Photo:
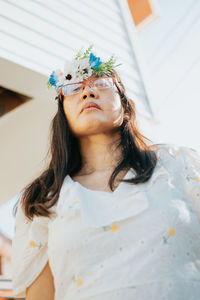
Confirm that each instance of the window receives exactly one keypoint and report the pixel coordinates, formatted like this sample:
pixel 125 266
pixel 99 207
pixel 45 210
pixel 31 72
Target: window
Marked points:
pixel 9 100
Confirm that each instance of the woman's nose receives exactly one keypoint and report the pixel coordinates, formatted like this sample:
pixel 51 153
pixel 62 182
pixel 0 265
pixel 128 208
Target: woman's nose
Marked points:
pixel 87 93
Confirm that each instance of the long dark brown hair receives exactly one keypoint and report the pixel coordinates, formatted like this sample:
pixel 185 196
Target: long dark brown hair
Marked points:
pixel 65 158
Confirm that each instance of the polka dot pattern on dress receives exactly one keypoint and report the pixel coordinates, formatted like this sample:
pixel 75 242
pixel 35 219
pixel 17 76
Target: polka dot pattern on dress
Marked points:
pixel 115 228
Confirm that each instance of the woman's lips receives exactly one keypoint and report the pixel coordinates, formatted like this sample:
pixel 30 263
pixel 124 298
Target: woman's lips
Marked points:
pixel 91 108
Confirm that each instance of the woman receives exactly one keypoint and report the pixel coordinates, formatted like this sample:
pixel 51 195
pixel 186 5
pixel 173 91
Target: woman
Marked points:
pixel 112 217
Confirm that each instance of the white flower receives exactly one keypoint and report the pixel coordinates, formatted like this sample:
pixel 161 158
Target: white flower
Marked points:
pixel 78 70
pixel 82 68
pixel 59 77
pixel 69 73
pixel 58 73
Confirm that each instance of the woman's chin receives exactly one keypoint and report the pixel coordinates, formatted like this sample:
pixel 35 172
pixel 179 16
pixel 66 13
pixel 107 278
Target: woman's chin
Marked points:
pixel 91 126
pixel 92 115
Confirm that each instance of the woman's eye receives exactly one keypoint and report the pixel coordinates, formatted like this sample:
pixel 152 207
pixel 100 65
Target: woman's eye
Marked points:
pixel 100 84
pixel 77 89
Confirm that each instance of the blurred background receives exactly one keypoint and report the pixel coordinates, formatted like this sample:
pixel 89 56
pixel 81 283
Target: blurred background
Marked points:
pixel 158 44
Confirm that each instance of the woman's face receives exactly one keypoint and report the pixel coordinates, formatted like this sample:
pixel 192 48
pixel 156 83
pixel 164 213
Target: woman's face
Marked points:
pixel 107 118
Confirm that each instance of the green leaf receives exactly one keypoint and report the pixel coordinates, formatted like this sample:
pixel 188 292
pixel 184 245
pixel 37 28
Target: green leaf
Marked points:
pixel 87 52
pixel 48 84
pixel 79 54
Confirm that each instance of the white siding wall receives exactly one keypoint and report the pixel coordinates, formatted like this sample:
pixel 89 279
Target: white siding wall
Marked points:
pixel 41 35
pixel 171 47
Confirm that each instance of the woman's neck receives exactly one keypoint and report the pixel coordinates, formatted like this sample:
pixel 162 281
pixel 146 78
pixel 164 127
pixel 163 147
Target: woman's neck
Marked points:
pixel 100 153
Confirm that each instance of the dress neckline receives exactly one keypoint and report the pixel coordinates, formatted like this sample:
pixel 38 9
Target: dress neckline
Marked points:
pixel 129 174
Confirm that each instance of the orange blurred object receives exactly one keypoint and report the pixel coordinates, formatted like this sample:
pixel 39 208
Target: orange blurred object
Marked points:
pixel 140 10
pixel 6 293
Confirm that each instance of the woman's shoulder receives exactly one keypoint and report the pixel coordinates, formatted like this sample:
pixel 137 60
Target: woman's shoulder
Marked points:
pixel 168 149
pixel 172 150
pixel 29 249
pixel 175 158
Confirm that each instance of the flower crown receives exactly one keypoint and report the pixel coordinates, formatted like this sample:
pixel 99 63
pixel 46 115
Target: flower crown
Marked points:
pixel 82 66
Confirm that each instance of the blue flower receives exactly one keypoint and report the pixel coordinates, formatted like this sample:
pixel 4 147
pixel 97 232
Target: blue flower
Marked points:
pixel 94 61
pixel 53 79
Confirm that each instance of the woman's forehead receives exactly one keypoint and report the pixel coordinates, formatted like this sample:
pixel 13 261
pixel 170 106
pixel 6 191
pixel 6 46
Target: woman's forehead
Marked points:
pixel 92 77
pixel 95 76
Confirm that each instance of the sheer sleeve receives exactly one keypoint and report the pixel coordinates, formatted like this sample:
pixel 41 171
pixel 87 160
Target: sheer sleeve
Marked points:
pixel 190 173
pixel 29 250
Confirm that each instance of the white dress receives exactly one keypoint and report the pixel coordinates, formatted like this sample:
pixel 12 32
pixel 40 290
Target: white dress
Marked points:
pixel 139 242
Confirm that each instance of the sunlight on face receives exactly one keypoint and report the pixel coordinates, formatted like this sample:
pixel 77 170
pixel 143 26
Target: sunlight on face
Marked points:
pixel 93 121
